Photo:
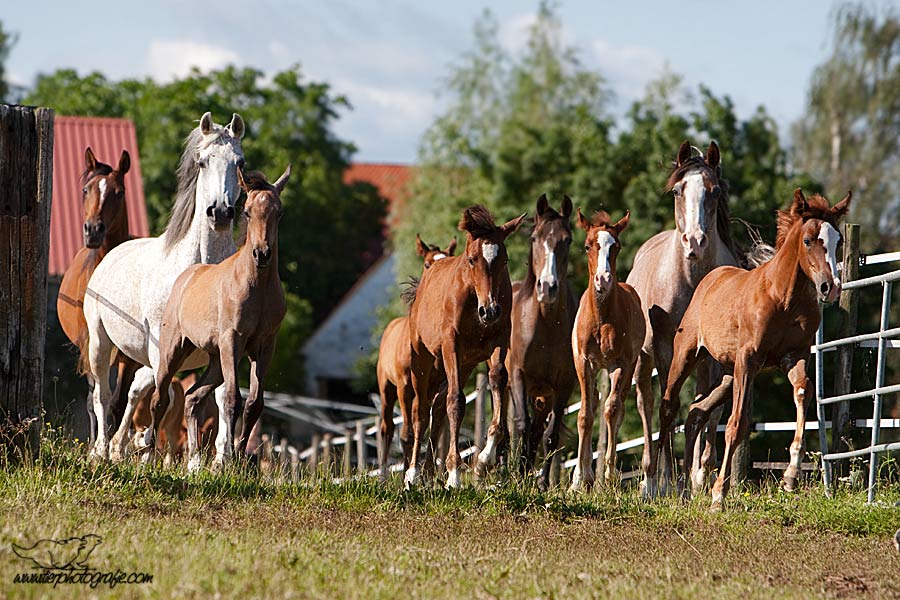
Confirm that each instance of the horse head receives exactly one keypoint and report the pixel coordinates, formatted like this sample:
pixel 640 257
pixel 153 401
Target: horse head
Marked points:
pixel 104 196
pixel 550 240
pixel 485 270
pixel 698 187
pixel 218 156
pixel 263 211
pixel 819 240
pixel 432 254
pixel 602 247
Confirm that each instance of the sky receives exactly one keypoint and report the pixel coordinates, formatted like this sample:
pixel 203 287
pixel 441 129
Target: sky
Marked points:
pixel 391 57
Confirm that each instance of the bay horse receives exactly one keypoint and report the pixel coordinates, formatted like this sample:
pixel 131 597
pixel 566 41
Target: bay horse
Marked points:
pixel 393 372
pixel 227 310
pixel 749 321
pixel 667 268
pixel 540 345
pixel 105 226
pixel 460 318
pixel 127 293
pixel 608 334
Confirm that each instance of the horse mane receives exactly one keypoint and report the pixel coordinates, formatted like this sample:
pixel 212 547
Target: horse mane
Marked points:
pixel 102 169
pixel 255 181
pixel 817 207
pixel 409 294
pixel 723 213
pixel 188 170
pixel 601 218
pixel 478 221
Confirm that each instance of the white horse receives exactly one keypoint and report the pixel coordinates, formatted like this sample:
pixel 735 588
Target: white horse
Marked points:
pixel 127 293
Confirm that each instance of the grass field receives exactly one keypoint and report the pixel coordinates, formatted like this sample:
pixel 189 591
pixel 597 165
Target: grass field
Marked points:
pixel 239 535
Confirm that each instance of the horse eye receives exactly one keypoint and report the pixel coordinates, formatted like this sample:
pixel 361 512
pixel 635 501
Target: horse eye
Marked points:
pixel 807 242
pixel 246 213
pixel 84 191
pixel 471 262
pixel 587 248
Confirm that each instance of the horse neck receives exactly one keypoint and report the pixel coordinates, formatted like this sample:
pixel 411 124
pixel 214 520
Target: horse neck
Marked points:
pixel 118 231
pixel 786 278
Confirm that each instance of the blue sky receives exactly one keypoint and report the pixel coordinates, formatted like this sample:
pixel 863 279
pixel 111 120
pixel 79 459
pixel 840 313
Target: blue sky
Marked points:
pixel 389 57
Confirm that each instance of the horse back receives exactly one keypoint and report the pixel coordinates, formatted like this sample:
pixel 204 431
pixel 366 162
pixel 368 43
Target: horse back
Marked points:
pixel 394 356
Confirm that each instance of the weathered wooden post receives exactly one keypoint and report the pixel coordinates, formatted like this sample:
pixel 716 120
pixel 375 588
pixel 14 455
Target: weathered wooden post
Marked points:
pixel 26 178
pixel 313 464
pixel 283 459
pixel 848 308
pixel 361 458
pixel 346 462
pixel 295 464
pixel 378 441
pixel 327 451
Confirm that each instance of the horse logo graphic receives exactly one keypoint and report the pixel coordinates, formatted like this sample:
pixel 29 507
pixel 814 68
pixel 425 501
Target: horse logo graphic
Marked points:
pixel 68 554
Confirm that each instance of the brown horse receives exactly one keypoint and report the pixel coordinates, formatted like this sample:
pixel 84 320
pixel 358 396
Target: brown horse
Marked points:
pixel 608 333
pixel 541 342
pixel 105 227
pixel 393 371
pixel 226 310
pixel 460 318
pixel 748 321
pixel 667 268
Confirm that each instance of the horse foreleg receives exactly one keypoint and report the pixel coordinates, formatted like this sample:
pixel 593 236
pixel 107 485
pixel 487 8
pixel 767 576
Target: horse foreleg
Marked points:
pixel 498 378
pixel 583 475
pixel 614 412
pixel 227 399
pixel 194 408
pixel 456 408
pixel 259 366
pixel 92 418
pixel 645 405
pixel 389 394
pixel 745 369
pixel 99 352
pixel 801 383
pixel 521 429
pixel 705 411
pixel 126 370
pixel 422 364
pixel 438 427
pixel 140 386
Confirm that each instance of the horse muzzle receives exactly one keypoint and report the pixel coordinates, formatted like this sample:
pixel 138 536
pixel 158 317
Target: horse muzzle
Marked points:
pixel 262 256
pixel 488 314
pixel 693 244
pixel 94 234
pixel 829 290
pixel 221 217
pixel 547 291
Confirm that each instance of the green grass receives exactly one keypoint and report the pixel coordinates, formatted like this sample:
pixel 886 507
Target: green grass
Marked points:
pixel 238 534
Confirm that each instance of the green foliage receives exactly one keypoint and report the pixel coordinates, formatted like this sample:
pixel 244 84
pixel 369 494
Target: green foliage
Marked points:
pixel 7 41
pixel 849 136
pixel 327 226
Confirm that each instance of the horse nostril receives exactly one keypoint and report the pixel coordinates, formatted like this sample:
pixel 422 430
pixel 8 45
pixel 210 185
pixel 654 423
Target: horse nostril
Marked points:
pixel 101 228
pixel 86 227
pixel 210 211
pixel 825 288
pixel 229 212
pixel 701 240
pixel 482 312
pixel 553 287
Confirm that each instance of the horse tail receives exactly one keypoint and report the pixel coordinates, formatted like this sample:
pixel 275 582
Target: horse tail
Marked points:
pixel 760 252
pixel 84 366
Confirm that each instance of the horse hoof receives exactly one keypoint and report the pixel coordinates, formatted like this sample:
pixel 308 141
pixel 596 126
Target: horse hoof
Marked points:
pixel 789 483
pixel 194 464
pixel 481 468
pixel 453 479
pixel 218 465
pixel 717 502
pixel 411 478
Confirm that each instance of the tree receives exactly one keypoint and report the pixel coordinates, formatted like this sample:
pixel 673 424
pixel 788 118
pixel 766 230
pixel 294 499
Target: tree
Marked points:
pixel 327 226
pixel 849 136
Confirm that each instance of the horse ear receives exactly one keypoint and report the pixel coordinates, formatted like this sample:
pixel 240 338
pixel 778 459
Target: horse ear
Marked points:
pixel 90 161
pixel 206 123
pixel 799 205
pixel 452 247
pixel 566 207
pixel 124 162
pixel 622 223
pixel 236 126
pixel 713 157
pixel 583 222
pixel 542 205
pixel 512 225
pixel 421 247
pixel 841 208
pixel 684 153
pixel 282 181
pixel 241 182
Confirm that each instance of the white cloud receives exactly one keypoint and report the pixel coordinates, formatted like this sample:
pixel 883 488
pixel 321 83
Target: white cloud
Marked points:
pixel 627 68
pixel 168 59
pixel 513 34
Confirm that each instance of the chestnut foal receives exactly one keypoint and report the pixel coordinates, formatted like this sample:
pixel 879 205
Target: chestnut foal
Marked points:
pixel 461 317
pixel 748 321
pixel 226 310
pixel 608 333
pixel 540 347
pixel 394 356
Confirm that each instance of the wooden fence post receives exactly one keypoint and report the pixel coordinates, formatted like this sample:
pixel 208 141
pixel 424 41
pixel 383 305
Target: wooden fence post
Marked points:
pixel 313 464
pixel 346 463
pixel 327 448
pixel 361 458
pixel 26 182
pixel 848 308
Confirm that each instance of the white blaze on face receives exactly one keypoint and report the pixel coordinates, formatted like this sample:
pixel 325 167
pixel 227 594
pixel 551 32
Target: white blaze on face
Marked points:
pixel 603 276
pixel 102 185
pixel 548 273
pixel 693 194
pixel 830 238
pixel 438 257
pixel 490 251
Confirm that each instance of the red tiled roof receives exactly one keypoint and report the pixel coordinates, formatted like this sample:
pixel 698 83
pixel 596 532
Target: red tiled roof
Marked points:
pixel 390 179
pixel 107 138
